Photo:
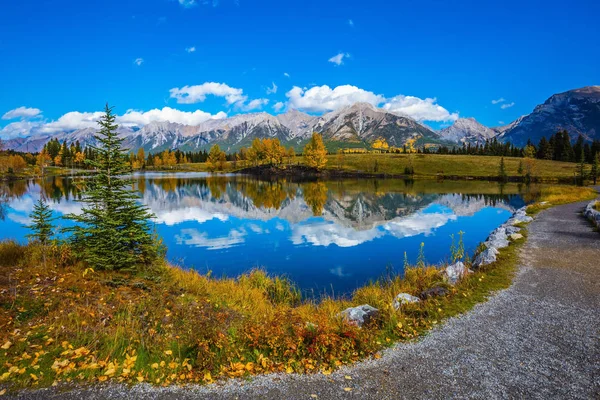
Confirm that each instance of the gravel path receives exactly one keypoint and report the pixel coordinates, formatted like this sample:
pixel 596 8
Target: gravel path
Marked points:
pixel 539 339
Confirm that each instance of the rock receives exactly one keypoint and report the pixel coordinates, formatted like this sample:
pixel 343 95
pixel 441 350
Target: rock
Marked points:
pixel 485 257
pixel 404 298
pixel 592 214
pixel 360 315
pixel 516 236
pixel 455 272
pixel 434 291
pixel 512 229
pixel 497 239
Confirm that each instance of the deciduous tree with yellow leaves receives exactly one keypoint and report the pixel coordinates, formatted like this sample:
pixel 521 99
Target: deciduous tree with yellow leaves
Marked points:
pixel 315 154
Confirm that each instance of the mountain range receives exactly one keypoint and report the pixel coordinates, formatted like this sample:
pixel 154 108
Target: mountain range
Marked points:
pixel 357 125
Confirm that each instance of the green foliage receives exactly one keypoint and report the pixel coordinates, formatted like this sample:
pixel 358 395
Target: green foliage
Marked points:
pixel 457 250
pixel 41 216
pixel 421 258
pixel 502 171
pixel 113 230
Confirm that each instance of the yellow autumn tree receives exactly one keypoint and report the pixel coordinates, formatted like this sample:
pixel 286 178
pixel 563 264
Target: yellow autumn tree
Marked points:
pixel 315 154
pixel 380 144
pixel 216 158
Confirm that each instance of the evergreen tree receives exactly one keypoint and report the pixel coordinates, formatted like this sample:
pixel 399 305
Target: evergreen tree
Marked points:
pixel 595 168
pixel 581 168
pixel 113 231
pixel 502 171
pixel 41 218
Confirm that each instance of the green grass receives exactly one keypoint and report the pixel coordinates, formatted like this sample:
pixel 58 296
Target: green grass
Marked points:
pixel 433 165
pixel 425 166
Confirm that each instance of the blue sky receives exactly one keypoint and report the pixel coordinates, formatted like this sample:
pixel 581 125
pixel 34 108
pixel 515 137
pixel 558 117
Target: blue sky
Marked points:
pixel 433 60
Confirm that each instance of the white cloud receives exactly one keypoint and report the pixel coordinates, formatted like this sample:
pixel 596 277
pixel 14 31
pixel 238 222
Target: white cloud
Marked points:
pixel 507 105
pixel 71 121
pixel 233 96
pixel 138 61
pixel 79 120
pixel 351 23
pixel 255 104
pixel 22 112
pixel 272 89
pixel 177 216
pixel 500 100
pixel 327 233
pixel 501 122
pixel 323 98
pixel 286 74
pixel 278 106
pixel 190 49
pixel 419 109
pixel 139 118
pixel 187 3
pixel 338 59
pixel 198 93
pixel 192 237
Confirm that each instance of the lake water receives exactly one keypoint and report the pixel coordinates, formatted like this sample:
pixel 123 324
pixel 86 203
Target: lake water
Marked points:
pixel 328 237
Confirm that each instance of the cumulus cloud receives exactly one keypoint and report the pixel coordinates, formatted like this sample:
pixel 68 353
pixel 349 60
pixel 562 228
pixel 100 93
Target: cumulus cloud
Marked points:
pixel 197 93
pixel 272 89
pixel 140 118
pixel 278 106
pixel 138 61
pixel 233 96
pixel 79 120
pixel 192 237
pixel 338 59
pixel 22 112
pixel 286 74
pixel 507 105
pixel 190 49
pixel 419 109
pixel 323 99
pixel 497 101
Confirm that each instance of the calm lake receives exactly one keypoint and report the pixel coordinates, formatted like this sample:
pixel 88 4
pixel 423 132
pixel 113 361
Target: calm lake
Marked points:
pixel 328 237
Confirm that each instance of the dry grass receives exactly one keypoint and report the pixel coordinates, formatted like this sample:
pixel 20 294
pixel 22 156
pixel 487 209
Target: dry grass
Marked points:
pixel 549 196
pixel 62 322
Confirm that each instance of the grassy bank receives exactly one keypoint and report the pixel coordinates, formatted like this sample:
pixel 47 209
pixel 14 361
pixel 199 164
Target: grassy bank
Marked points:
pixel 425 166
pixel 62 322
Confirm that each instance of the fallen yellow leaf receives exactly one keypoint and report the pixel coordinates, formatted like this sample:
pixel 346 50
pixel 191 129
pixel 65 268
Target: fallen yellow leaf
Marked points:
pixel 6 345
pixel 168 352
pixel 155 366
pixel 2 392
pixel 140 379
pixel 348 377
pixel 347 389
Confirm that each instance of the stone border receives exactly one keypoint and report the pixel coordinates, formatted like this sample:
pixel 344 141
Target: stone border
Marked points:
pixel 592 214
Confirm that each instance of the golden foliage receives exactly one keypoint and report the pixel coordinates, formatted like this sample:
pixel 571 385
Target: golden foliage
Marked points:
pixel 315 154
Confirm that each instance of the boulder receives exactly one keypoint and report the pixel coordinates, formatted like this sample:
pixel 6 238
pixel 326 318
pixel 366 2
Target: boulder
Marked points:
pixel 404 298
pixel 455 272
pixel 497 239
pixel 360 315
pixel 486 257
pixel 434 292
pixel 592 214
pixel 512 229
pixel 516 236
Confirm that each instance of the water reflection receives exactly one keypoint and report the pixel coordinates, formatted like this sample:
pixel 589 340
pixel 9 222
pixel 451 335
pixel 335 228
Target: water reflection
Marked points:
pixel 333 234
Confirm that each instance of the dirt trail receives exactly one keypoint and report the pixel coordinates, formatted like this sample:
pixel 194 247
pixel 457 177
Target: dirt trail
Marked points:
pixel 538 339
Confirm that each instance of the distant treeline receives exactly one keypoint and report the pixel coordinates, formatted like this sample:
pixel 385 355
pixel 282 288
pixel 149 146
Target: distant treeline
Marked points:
pixel 557 148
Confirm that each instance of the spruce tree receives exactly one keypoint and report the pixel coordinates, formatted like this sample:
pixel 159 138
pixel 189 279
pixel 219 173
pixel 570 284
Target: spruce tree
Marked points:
pixel 595 168
pixel 113 230
pixel 502 171
pixel 41 218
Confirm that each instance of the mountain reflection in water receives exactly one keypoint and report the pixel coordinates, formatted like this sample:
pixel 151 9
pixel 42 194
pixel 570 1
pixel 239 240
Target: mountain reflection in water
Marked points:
pixel 329 236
